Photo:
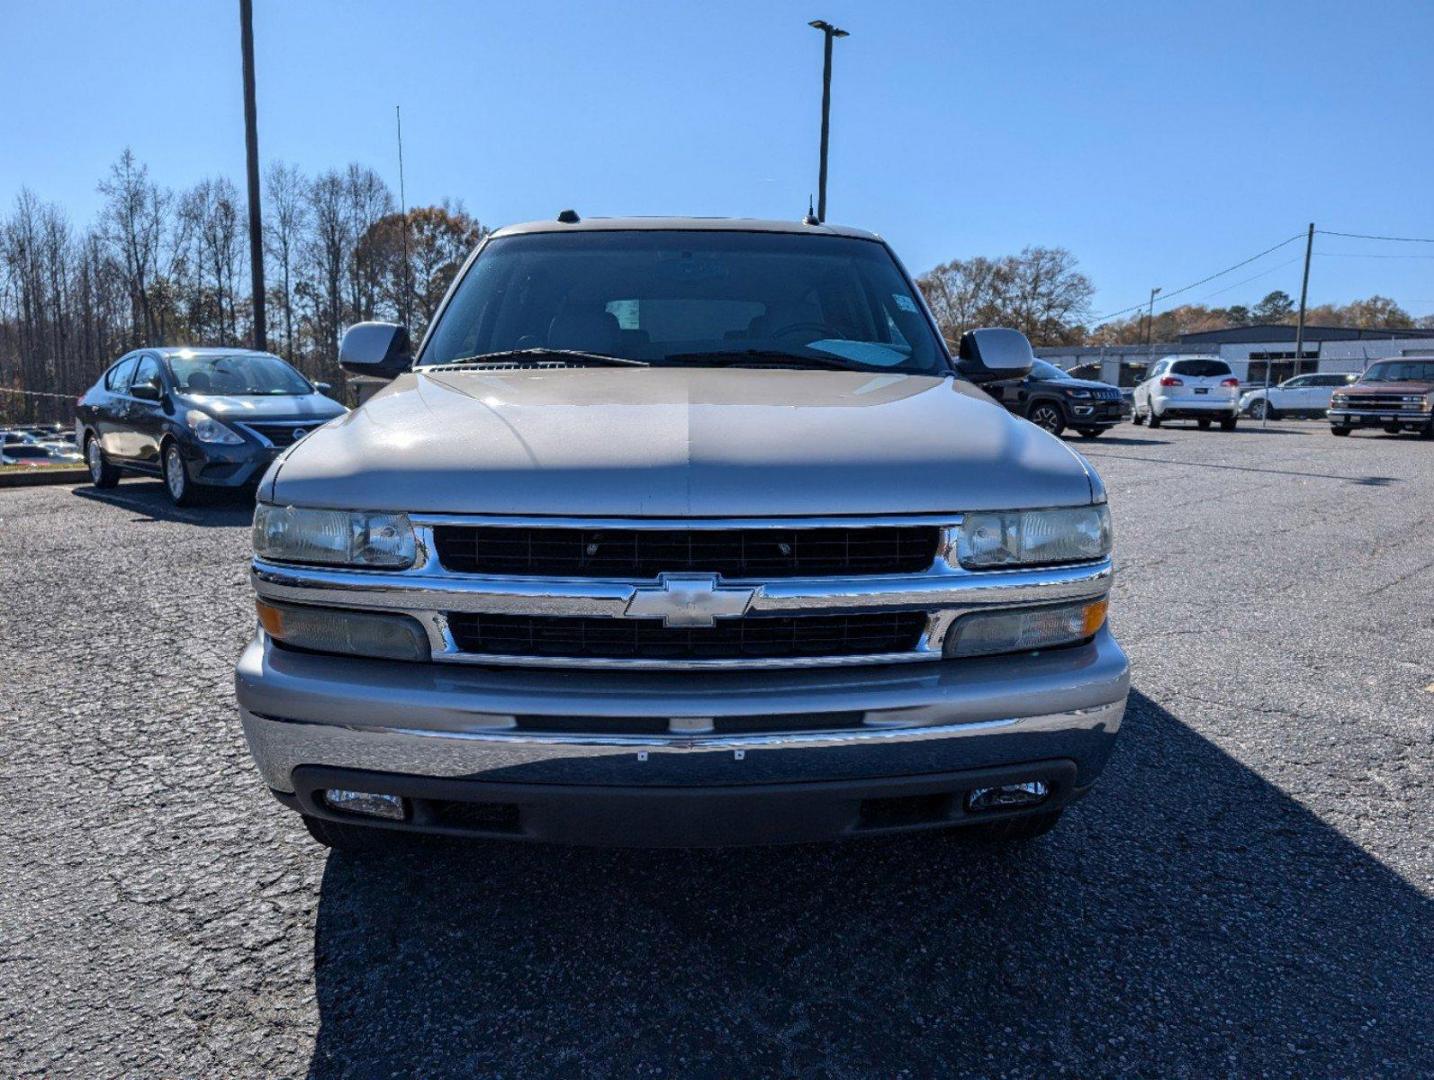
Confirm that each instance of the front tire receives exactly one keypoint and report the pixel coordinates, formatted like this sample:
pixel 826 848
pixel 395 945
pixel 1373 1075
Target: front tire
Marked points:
pixel 102 473
pixel 1340 431
pixel 1136 417
pixel 181 489
pixel 1154 420
pixel 1261 410
pixel 1090 432
pixel 1047 416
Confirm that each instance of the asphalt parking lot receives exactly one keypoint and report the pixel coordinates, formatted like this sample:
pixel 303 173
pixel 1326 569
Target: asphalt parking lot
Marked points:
pixel 1248 891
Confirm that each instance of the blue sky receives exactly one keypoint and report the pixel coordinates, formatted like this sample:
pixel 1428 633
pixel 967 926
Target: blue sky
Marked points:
pixel 1158 142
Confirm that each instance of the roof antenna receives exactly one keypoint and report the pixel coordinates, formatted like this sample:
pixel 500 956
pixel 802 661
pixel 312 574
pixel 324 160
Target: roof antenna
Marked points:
pixel 811 218
pixel 569 217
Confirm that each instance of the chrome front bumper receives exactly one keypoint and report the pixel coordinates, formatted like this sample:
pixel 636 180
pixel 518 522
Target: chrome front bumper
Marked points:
pixel 482 724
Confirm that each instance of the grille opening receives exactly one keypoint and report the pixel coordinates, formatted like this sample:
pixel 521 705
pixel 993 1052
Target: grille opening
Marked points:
pixel 645 553
pixel 905 810
pixel 758 637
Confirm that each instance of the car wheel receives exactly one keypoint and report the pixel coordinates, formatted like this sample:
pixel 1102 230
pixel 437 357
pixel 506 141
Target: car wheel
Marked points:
pixel 1154 420
pixel 1228 424
pixel 102 473
pixel 354 839
pixel 1427 431
pixel 176 478
pixel 1258 409
pixel 1392 429
pixel 1136 417
pixel 1339 431
pixel 1090 432
pixel 1203 423
pixel 1048 417
pixel 1014 830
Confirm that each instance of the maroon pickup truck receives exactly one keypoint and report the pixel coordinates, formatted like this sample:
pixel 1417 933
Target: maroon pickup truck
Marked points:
pixel 1395 395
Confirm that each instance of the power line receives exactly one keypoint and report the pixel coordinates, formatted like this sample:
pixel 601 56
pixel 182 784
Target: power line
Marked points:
pixel 1196 284
pixel 1367 236
pixel 1254 277
pixel 1366 255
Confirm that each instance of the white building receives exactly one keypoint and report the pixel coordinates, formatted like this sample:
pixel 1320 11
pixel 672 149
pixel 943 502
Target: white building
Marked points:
pixel 1254 353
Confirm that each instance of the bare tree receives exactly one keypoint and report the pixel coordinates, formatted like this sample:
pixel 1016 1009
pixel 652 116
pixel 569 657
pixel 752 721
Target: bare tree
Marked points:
pixel 285 221
pixel 1039 292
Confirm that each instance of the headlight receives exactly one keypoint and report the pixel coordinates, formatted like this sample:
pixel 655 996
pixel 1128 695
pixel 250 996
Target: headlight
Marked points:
pixel 209 430
pixel 1078 393
pixel 987 633
pixel 1034 537
pixel 340 537
pixel 1338 399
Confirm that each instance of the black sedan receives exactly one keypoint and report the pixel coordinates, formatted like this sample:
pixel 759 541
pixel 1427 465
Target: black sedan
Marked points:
pixel 1051 399
pixel 196 418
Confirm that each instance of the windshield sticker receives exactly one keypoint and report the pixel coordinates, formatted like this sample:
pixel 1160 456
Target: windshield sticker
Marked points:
pixel 904 302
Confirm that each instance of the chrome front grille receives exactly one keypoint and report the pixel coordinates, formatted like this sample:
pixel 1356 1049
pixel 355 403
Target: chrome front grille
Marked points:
pixel 675 594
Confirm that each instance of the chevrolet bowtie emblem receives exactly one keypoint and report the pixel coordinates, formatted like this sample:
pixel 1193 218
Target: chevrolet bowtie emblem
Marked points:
pixel 690 600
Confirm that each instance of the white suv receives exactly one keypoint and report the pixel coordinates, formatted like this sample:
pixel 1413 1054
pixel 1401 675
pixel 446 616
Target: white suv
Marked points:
pixel 1199 388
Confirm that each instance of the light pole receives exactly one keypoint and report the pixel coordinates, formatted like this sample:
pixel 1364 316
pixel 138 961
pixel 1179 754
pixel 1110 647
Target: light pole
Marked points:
pixel 251 161
pixel 1150 320
pixel 828 31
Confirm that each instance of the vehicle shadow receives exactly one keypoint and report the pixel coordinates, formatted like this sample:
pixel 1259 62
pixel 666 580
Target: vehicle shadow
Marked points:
pixel 1187 918
pixel 1117 440
pixel 1363 481
pixel 149 499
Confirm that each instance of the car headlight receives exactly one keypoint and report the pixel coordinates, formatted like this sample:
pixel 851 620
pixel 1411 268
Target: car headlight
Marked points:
pixel 1078 393
pixel 209 430
pixel 338 537
pixel 1339 399
pixel 1034 537
pixel 989 632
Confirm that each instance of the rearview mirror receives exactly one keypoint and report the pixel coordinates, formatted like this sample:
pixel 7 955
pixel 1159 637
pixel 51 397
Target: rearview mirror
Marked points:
pixel 376 349
pixel 994 354
pixel 323 387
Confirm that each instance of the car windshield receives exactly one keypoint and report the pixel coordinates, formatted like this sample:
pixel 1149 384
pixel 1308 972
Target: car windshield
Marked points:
pixel 240 375
pixel 1401 371
pixel 1200 369
pixel 692 297
pixel 26 452
pixel 1044 372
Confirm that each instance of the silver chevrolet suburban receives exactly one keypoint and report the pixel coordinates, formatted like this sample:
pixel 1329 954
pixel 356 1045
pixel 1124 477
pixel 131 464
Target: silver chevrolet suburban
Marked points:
pixel 680 532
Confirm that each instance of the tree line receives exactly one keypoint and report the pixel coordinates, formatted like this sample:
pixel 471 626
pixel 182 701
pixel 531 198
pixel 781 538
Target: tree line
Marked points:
pixel 1043 293
pixel 165 267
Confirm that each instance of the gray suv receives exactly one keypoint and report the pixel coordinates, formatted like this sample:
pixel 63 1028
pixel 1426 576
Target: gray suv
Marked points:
pixel 680 532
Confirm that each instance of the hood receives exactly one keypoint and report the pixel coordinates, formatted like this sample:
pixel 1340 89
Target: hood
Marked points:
pixel 666 442
pixel 1410 387
pixel 241 408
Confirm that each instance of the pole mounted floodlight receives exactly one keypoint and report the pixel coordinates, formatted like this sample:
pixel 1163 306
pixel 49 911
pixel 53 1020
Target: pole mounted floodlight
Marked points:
pixel 828 32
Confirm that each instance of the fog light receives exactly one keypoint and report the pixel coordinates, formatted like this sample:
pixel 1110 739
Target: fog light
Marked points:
pixel 369 803
pixel 1008 796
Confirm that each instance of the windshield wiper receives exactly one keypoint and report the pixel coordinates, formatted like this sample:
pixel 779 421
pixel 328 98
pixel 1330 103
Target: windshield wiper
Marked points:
pixel 570 356
pixel 766 358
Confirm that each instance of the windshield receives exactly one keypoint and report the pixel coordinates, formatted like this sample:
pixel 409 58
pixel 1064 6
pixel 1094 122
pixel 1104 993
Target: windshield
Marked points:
pixel 26 452
pixel 690 297
pixel 1401 371
pixel 238 375
pixel 1044 372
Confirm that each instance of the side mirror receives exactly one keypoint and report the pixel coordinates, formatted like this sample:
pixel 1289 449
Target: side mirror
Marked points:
pixel 145 391
pixel 994 355
pixel 379 350
pixel 323 387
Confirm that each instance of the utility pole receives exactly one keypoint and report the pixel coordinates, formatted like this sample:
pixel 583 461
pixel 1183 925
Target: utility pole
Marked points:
pixel 1150 320
pixel 1299 323
pixel 829 32
pixel 403 209
pixel 251 153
